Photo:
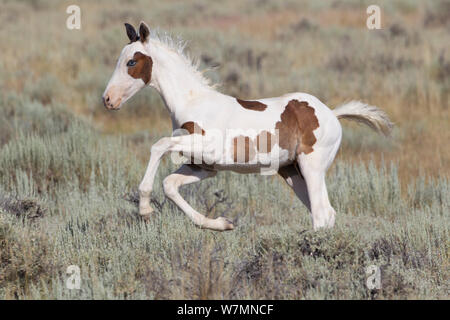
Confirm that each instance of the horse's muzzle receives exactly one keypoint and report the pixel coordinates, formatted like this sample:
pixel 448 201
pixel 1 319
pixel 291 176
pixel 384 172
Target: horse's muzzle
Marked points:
pixel 109 104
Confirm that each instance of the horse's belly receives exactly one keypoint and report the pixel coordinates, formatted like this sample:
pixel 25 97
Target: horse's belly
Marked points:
pixel 261 163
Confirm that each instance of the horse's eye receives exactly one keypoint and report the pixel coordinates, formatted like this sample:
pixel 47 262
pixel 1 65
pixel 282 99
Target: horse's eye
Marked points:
pixel 131 63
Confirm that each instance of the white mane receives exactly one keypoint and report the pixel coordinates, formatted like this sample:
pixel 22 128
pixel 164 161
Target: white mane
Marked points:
pixel 178 45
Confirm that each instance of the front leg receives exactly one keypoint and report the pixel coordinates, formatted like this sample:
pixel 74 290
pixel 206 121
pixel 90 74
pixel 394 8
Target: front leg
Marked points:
pixel 190 174
pixel 158 150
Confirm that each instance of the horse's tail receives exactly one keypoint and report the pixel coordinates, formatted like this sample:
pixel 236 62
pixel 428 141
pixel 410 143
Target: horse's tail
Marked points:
pixel 371 116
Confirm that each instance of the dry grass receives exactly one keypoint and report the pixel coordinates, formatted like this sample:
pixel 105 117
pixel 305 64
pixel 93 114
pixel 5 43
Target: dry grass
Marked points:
pixel 321 49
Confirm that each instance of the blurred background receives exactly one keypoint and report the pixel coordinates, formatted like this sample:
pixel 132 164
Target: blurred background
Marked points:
pixel 69 169
pixel 261 48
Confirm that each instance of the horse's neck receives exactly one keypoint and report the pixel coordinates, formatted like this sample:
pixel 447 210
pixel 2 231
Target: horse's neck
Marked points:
pixel 176 83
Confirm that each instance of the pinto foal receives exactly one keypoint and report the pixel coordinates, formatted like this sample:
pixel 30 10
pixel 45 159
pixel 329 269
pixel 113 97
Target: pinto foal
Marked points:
pixel 294 135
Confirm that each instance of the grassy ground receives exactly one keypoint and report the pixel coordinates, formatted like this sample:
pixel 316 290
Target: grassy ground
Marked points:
pixel 69 170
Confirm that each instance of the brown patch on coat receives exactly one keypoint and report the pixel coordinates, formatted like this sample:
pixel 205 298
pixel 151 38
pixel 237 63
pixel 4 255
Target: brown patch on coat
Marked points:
pixel 265 142
pixel 243 145
pixel 296 127
pixel 192 128
pixel 252 105
pixel 143 67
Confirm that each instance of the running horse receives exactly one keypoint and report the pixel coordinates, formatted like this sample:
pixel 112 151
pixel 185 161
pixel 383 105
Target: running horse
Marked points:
pixel 294 135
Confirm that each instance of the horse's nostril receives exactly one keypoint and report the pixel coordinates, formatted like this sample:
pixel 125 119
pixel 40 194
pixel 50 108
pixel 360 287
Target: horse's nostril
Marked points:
pixel 105 101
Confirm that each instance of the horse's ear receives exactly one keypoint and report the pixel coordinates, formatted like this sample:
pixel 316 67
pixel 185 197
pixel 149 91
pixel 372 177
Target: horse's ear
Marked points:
pixel 131 33
pixel 143 31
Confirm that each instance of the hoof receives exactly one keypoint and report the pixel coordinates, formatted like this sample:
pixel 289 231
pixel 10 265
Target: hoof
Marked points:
pixel 322 227
pixel 145 213
pixel 325 222
pixel 225 223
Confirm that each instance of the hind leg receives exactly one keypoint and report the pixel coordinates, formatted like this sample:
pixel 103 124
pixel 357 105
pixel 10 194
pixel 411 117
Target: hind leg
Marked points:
pixel 188 174
pixel 291 174
pixel 322 214
pixel 313 167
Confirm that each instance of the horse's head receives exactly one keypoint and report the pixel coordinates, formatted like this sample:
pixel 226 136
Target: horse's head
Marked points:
pixel 133 70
